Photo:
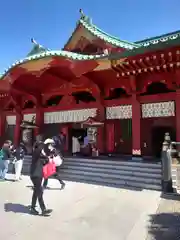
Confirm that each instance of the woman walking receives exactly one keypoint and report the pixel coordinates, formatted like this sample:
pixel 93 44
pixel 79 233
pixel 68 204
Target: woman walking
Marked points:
pixel 39 159
pixel 52 152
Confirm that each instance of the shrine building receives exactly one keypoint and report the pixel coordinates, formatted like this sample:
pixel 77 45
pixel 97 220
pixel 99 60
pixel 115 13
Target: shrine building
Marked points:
pixel 133 88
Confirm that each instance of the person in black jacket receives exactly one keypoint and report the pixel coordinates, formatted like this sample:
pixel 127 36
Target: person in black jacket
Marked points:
pixel 36 175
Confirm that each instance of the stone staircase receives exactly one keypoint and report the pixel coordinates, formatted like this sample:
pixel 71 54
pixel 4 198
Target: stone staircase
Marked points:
pixel 109 172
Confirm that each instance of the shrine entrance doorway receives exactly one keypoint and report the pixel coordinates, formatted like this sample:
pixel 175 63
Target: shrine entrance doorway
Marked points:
pixel 76 131
pixel 50 130
pixel 158 133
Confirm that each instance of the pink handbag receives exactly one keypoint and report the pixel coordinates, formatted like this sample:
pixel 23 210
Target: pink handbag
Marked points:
pixel 49 169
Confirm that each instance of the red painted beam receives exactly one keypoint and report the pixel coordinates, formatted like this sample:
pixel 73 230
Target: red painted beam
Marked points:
pixel 82 67
pixel 4 86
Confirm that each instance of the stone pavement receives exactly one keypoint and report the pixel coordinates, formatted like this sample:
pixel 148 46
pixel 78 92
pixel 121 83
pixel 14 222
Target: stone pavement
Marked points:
pixel 81 212
pixel 166 222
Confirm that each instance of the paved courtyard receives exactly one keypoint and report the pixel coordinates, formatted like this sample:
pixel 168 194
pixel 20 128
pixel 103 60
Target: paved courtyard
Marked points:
pixel 81 212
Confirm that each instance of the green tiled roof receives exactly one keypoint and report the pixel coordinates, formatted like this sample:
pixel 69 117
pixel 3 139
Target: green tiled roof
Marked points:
pixel 47 53
pixel 146 48
pixel 37 49
pixel 159 39
pixel 93 29
pixel 132 49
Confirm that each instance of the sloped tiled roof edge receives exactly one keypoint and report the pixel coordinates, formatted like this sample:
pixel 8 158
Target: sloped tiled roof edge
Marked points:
pixel 93 29
pixel 159 39
pixel 146 48
pixel 59 53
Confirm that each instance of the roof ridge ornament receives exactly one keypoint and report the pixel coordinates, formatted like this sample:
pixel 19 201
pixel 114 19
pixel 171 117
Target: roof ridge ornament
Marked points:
pixel 39 45
pixel 34 41
pixel 82 13
pixel 84 17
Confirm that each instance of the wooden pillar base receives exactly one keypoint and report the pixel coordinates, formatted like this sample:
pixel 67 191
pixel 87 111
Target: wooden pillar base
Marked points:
pixel 136 127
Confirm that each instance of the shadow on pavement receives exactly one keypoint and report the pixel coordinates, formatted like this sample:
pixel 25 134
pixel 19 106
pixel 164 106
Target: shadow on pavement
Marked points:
pixel 112 185
pixel 95 183
pixel 16 208
pixel 170 197
pixel 164 226
pixel 30 186
pixel 48 188
pixel 9 180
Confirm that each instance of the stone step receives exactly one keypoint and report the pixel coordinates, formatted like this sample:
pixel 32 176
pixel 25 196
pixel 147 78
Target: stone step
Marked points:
pixel 146 172
pixel 111 161
pixel 104 172
pixel 115 167
pixel 132 172
pixel 115 162
pixel 112 176
pixel 111 182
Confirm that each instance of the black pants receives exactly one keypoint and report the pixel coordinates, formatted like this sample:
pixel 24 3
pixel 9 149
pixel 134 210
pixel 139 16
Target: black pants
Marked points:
pixel 37 193
pixel 56 176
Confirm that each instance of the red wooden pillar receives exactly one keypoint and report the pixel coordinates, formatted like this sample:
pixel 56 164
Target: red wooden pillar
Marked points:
pixel 100 139
pixel 17 130
pixel 178 115
pixel 100 130
pixel 39 121
pixel 2 127
pixel 65 131
pixel 136 126
pixel 2 124
pixel 110 137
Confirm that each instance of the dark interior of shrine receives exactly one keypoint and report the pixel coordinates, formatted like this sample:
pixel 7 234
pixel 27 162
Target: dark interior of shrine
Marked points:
pixel 158 133
pixel 157 88
pixel 83 96
pixel 117 93
pixel 29 105
pixel 53 101
pixel 77 132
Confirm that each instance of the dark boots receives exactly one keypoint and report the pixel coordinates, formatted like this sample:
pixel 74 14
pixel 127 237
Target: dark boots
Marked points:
pixel 45 212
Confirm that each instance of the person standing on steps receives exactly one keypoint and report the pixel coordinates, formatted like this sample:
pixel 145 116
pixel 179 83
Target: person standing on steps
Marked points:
pixel 39 159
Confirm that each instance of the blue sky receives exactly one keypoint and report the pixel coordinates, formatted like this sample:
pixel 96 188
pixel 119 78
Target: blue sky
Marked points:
pixel 51 22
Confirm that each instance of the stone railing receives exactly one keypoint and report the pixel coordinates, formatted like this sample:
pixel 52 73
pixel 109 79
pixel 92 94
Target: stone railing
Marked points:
pixel 174 156
pixel 175 173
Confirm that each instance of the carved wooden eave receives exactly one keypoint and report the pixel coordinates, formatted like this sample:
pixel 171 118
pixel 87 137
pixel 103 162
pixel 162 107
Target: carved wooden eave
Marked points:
pixel 153 62
pixel 103 64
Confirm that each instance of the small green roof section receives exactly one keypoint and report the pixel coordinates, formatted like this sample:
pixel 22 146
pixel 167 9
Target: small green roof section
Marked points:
pixel 37 48
pixel 159 39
